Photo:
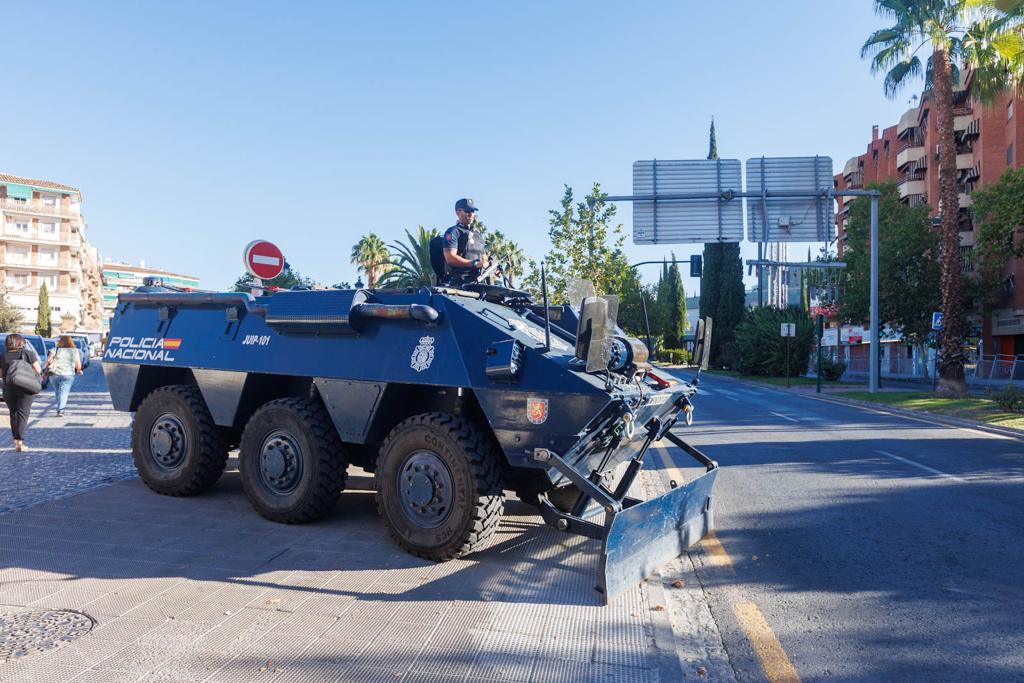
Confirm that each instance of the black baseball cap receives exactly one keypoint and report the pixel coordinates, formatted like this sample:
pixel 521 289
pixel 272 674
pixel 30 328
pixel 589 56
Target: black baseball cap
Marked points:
pixel 466 204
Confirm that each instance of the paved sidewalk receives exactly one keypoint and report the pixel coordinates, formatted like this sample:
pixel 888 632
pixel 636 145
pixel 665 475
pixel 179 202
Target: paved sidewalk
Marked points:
pixel 204 589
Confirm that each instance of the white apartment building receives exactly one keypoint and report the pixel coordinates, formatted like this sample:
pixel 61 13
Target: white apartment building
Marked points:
pixel 42 240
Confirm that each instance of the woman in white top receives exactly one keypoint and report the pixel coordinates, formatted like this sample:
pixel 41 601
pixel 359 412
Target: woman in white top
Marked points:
pixel 64 363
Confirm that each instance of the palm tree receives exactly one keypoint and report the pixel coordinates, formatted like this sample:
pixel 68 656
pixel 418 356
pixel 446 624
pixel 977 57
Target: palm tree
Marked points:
pixel 997 48
pixel 941 26
pixel 410 261
pixel 504 249
pixel 371 255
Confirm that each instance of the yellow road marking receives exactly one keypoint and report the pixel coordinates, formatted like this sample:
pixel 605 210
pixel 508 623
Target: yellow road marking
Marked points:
pixel 776 665
pixel 667 466
pixel 715 551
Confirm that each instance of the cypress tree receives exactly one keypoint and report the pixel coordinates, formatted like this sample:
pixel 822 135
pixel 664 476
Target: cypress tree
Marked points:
pixel 730 305
pixel 675 308
pixel 43 316
pixel 709 283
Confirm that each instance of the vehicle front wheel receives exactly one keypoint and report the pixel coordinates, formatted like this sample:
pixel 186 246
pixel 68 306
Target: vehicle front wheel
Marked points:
pixel 439 487
pixel 178 450
pixel 291 461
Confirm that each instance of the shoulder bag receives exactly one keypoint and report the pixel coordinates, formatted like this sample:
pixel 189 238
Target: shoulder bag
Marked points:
pixel 22 375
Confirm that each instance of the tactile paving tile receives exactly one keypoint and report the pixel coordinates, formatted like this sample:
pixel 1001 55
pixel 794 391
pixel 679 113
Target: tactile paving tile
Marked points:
pixel 442 661
pixel 606 673
pixel 559 671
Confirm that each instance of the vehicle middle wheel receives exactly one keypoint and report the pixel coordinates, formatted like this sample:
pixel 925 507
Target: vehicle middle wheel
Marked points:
pixel 439 486
pixel 291 461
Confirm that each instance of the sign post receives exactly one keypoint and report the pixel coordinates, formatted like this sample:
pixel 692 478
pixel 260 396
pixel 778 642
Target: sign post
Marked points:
pixel 821 331
pixel 264 261
pixel 788 330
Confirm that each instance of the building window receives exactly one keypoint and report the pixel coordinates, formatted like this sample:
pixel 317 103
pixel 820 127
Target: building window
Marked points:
pixel 1009 154
pixel 48 231
pixel 21 228
pixel 51 280
pixel 18 254
pixel 48 256
pixel 17 280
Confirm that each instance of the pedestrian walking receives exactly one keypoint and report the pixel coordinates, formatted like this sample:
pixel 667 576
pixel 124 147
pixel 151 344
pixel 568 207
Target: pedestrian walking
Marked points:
pixel 63 364
pixel 20 370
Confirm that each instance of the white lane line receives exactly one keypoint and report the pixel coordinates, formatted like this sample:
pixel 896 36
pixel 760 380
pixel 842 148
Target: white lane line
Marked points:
pixel 784 417
pixel 923 467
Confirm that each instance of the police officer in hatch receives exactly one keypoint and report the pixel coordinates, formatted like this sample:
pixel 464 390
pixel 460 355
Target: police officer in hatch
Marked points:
pixel 464 248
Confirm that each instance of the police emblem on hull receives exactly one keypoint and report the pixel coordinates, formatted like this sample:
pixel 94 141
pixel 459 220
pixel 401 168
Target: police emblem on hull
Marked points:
pixel 537 410
pixel 423 354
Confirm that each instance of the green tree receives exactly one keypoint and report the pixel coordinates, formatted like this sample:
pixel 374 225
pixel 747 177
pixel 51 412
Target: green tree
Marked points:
pixel 371 256
pixel 10 316
pixel 761 350
pixel 586 245
pixel 505 250
pixel 945 28
pixel 908 267
pixel 43 325
pixel 410 261
pixel 288 278
pixel 674 307
pixel 999 210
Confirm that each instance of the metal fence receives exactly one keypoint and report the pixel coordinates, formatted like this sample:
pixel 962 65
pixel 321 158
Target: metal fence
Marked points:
pixel 998 369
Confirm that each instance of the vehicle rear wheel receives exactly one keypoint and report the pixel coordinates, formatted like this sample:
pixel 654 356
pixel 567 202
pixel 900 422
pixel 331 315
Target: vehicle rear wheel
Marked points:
pixel 439 486
pixel 291 461
pixel 178 450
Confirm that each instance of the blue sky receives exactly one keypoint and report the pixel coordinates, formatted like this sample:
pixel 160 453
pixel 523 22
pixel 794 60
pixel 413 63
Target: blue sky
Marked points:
pixel 194 127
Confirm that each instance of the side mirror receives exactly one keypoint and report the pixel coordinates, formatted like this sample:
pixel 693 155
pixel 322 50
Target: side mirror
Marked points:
pixel 702 343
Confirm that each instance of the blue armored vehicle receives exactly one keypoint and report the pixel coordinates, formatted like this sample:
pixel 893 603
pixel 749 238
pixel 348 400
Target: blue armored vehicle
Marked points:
pixel 449 396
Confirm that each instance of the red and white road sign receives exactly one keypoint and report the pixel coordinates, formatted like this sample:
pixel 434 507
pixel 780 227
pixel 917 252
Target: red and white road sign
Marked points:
pixel 263 259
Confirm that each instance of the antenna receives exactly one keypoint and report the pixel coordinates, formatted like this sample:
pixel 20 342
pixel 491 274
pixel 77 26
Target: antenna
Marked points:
pixel 547 315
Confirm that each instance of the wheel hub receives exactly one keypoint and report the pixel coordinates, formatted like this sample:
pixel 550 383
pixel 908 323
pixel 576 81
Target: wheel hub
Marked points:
pixel 168 442
pixel 280 463
pixel 425 489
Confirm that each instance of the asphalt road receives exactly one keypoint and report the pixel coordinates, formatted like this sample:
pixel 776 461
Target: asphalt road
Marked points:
pixel 877 547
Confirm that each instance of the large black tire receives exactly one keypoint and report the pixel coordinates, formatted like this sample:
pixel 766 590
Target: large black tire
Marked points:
pixel 439 487
pixel 178 450
pixel 291 461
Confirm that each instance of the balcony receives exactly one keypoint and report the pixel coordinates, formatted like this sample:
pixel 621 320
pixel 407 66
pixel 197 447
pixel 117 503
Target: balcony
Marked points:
pixel 966 259
pixel 908 156
pixel 855 180
pixel 911 187
pixel 965 200
pixel 967 239
pixel 10 261
pixel 36 207
pixel 919 167
pixel 35 236
pixel 917 199
pixel 964 161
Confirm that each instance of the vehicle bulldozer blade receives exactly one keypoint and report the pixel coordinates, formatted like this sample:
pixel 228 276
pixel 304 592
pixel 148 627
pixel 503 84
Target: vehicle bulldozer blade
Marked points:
pixel 643 537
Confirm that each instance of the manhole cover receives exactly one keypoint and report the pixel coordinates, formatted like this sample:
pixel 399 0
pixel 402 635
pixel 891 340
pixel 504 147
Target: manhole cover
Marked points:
pixel 24 632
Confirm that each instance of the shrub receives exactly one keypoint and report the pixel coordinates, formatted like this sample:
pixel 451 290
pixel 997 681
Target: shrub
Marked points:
pixel 832 370
pixel 761 350
pixel 680 356
pixel 1011 398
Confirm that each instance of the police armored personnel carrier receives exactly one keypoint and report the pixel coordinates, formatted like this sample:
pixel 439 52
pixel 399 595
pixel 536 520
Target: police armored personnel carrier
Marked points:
pixel 448 396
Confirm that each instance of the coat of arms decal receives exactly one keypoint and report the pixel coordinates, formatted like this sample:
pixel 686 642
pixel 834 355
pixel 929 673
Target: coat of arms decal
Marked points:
pixel 537 410
pixel 423 354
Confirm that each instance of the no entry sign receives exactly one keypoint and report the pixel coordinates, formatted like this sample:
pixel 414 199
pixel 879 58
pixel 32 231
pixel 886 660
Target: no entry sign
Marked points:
pixel 263 259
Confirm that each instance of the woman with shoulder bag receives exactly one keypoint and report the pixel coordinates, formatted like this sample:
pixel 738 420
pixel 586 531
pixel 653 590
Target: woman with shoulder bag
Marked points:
pixel 19 368
pixel 63 364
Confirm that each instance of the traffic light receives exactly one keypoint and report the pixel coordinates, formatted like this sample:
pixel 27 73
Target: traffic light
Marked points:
pixel 696 265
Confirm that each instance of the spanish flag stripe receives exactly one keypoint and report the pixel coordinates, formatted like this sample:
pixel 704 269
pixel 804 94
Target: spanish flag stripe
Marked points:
pixel 172 343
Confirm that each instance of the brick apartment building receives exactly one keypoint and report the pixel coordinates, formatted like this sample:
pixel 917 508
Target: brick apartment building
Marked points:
pixel 42 240
pixel 988 138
